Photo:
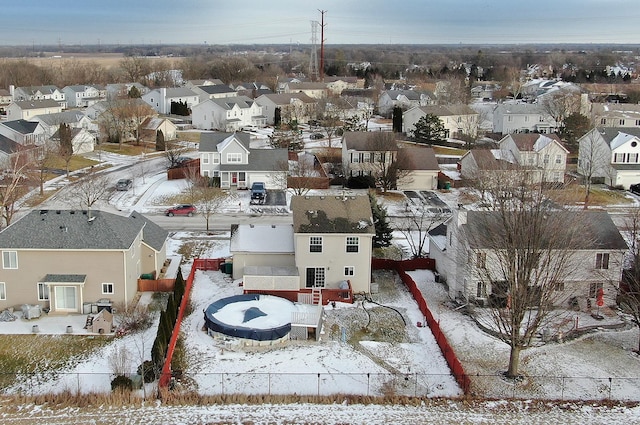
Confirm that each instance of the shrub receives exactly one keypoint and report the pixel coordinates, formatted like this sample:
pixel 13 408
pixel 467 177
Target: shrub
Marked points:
pixel 121 383
pixel 361 182
pixel 148 371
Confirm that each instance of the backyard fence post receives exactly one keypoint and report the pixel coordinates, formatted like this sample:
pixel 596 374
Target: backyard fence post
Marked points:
pixel 318 385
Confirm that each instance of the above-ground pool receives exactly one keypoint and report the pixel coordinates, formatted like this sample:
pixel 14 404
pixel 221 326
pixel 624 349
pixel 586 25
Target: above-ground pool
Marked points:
pixel 251 317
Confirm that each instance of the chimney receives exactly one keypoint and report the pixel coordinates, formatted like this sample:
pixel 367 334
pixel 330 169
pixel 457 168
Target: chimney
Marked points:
pixel 12 90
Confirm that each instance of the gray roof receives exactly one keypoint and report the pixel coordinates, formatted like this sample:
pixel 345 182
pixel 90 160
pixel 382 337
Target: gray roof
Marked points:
pixel 209 141
pixel 31 90
pixel 229 102
pixel 21 126
pixel 8 146
pixel 285 98
pixel 152 234
pixel 609 133
pixel 518 108
pixel 179 92
pixel 260 160
pixel 37 104
pixel 75 229
pixel 65 278
pixel 216 89
pixel 332 214
pixel 60 117
pixel 597 229
pixel 419 158
pixel 363 141
pixel 448 110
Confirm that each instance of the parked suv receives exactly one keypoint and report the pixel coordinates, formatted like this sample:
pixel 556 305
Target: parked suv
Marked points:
pixel 182 209
pixel 258 193
pixel 124 184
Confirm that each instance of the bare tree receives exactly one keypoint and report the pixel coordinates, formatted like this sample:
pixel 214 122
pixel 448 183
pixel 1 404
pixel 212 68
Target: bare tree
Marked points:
pixel 298 176
pixel 629 290
pixel 523 252
pixel 385 163
pixel 12 184
pixel 135 68
pixel 593 161
pixel 210 201
pixel 173 153
pixel 415 227
pixel 560 104
pixel 90 189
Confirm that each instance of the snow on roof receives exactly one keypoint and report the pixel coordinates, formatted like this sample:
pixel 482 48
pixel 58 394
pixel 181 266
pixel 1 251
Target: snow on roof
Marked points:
pixel 275 238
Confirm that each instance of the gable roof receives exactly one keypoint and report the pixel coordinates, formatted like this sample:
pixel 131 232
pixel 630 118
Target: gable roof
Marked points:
pixel 491 159
pixel 449 110
pixel 533 142
pixel 518 108
pixel 360 140
pixel 8 146
pixel 56 118
pixel 37 104
pixel 418 158
pixel 598 231
pixel 32 90
pixel 616 136
pixel 217 89
pixel 74 229
pixel 21 126
pixel 228 103
pixel 152 234
pixel 285 98
pixel 332 214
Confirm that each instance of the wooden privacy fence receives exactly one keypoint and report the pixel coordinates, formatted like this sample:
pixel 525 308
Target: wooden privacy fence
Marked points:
pixel 401 268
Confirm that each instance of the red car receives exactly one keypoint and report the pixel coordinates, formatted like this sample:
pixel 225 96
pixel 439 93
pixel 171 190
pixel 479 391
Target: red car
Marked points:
pixel 182 209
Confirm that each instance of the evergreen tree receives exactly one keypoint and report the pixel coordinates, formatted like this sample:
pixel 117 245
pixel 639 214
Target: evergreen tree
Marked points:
pixel 429 129
pixel 134 93
pixel 160 143
pixel 383 235
pixel 397 119
pixel 575 126
pixel 66 144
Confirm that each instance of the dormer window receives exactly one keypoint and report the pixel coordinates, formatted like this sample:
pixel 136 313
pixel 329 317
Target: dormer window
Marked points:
pixel 234 158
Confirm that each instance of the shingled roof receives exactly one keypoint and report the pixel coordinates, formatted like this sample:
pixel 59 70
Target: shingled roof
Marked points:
pixel 76 229
pixel 332 214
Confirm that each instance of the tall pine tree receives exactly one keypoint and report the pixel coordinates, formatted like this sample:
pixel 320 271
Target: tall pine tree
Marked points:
pixel 383 235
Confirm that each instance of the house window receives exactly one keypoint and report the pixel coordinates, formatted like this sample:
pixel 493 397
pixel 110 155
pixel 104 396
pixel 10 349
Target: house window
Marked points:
pixel 559 286
pixel 526 118
pixel 43 292
pixel 205 173
pixel 558 159
pixel 621 122
pixel 546 159
pixel 216 159
pixel 315 244
pixel 3 291
pixel 481 260
pixel 633 158
pixel 481 290
pixel 9 259
pixel 349 271
pixel 234 157
pixel 556 177
pixel 602 261
pixel 637 122
pixel 315 277
pixel 619 157
pixel 603 121
pixel 594 287
pixel 107 288
pixel 352 243
pixel 205 159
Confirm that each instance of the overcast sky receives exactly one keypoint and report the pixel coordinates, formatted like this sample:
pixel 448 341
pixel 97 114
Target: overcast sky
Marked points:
pixel 28 22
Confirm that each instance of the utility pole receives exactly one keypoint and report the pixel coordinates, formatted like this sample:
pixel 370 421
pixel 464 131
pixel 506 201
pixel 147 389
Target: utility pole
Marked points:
pixel 322 24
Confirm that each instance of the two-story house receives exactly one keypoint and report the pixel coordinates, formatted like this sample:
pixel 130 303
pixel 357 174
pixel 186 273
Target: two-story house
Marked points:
pixel 214 91
pixel 405 99
pixel 74 118
pixel 458 120
pixel 545 153
pixel 62 259
pixel 26 133
pixel 227 156
pixel 81 96
pixel 27 109
pixel 327 250
pixel 619 115
pixel 38 93
pixel 315 90
pixel 5 100
pixel 161 99
pixel 227 114
pixel 287 107
pixel 610 155
pixel 367 153
pixel 460 251
pixel 522 118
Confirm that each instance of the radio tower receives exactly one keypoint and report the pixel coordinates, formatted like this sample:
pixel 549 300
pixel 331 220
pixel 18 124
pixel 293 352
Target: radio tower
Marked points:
pixel 313 62
pixel 322 24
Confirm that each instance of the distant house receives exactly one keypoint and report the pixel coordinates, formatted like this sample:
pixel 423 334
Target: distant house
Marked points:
pixel 336 85
pixel 610 155
pixel 405 99
pixel 190 84
pixel 81 96
pixel 5 100
pixel 64 259
pixel 74 118
pixel 227 156
pixel 619 115
pixel 522 118
pixel 217 91
pixel 27 109
pixel 545 153
pixel 38 93
pixel 327 251
pixel 477 164
pixel 13 154
pixel 161 99
pixel 459 257
pixel 227 114
pixel 287 107
pixel 311 89
pixel 121 90
pixel 458 120
pixel 252 90
pixel 364 154
pixel 422 168
pixel 82 141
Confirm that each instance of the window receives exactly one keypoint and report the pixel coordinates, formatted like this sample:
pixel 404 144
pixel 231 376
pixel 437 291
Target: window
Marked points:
pixel 594 287
pixel 633 158
pixel 315 244
pixel 637 122
pixel 619 157
pixel 559 287
pixel 216 159
pixel 603 121
pixel 234 157
pixel 558 159
pixel 546 159
pixel 9 259
pixel 481 259
pixel 352 243
pixel 349 271
pixel 602 261
pixel 43 292
pixel 107 288
pixel 621 122
pixel 205 158
pixel 481 290
pixel 315 277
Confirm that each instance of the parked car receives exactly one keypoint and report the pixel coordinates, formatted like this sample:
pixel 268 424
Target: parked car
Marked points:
pixel 258 193
pixel 182 209
pixel 316 136
pixel 124 184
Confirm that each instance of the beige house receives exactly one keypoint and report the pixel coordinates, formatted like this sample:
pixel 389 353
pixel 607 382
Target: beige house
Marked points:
pixel 543 152
pixel 458 120
pixel 328 249
pixel 28 109
pixel 64 260
pixel 367 153
pixel 287 107
pixel 311 89
pixel 421 168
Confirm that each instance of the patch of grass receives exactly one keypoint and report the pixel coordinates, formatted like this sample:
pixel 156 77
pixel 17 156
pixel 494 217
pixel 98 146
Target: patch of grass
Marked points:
pixel 188 136
pixel 444 150
pixel 34 354
pixel 126 148
pixel 574 195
